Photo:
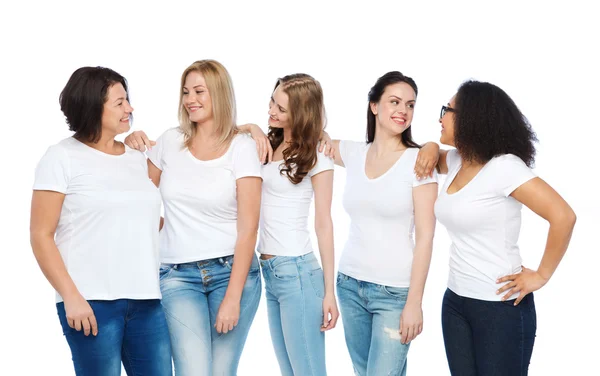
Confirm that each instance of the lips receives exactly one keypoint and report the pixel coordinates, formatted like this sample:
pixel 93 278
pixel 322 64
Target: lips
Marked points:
pixel 399 120
pixel 194 108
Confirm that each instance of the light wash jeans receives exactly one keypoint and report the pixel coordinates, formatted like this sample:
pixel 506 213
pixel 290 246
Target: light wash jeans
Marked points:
pixel 192 293
pixel 371 317
pixel 295 290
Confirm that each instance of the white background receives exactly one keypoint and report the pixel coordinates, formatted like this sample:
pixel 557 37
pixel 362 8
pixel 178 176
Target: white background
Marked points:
pixel 542 54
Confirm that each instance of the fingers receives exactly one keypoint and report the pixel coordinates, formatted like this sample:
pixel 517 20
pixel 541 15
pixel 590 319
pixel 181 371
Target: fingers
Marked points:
pixel 507 286
pixel 147 142
pixel 403 334
pixel 321 146
pixel 411 334
pixel 94 325
pixel 334 318
pixel 511 277
pixel 86 326
pixel 77 325
pixel 521 296
pixel 71 323
pixel 269 151
pixel 511 292
pixel 219 326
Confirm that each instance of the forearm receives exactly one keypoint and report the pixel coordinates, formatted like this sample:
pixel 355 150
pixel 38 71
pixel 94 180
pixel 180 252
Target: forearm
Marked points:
pixel 324 231
pixel 419 271
pixel 52 265
pixel 559 236
pixel 243 255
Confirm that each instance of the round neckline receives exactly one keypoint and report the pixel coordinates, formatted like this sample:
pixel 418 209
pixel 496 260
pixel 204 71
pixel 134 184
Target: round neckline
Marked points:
pixel 101 152
pixel 393 166
pixel 214 160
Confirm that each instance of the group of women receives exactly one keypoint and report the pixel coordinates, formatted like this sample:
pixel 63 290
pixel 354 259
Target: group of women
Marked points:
pixel 96 216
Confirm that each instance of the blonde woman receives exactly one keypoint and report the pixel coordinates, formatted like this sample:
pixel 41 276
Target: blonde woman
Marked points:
pixel 300 296
pixel 209 179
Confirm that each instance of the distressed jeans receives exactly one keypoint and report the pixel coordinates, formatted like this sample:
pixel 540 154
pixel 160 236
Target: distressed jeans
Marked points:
pixel 192 293
pixel 371 318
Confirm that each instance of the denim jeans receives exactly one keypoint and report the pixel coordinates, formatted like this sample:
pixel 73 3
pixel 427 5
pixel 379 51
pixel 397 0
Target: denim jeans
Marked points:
pixel 488 338
pixel 192 293
pixel 371 317
pixel 295 290
pixel 130 331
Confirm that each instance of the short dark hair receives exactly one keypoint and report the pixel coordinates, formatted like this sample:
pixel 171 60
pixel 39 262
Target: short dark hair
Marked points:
pixel 375 94
pixel 488 123
pixel 82 100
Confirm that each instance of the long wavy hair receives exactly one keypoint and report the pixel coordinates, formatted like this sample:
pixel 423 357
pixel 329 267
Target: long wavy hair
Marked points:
pixel 220 88
pixel 307 121
pixel 390 78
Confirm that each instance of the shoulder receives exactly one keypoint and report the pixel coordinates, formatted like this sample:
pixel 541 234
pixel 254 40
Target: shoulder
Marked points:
pixel 242 140
pixel 508 161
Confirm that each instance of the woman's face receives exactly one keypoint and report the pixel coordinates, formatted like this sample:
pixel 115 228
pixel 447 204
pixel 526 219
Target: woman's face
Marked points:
pixel 447 121
pixel 117 111
pixel 394 111
pixel 196 98
pixel 279 116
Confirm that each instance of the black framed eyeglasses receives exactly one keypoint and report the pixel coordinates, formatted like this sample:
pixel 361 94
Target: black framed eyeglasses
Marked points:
pixel 446 109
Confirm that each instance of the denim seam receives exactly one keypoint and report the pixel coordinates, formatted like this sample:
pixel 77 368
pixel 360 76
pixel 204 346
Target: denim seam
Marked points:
pixel 521 347
pixel 310 362
pixel 182 324
pixel 128 360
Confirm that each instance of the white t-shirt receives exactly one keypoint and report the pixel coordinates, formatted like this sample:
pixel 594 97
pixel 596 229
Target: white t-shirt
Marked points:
pixel 107 233
pixel 381 237
pixel 284 210
pixel 483 222
pixel 199 197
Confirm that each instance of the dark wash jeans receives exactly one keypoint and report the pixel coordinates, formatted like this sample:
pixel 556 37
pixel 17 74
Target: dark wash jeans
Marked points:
pixel 131 331
pixel 487 338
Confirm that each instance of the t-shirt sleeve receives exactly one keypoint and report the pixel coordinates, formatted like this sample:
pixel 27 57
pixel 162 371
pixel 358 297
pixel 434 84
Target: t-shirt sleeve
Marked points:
pixel 510 173
pixel 156 153
pixel 349 150
pixel 324 163
pixel 428 180
pixel 452 159
pixel 53 171
pixel 245 158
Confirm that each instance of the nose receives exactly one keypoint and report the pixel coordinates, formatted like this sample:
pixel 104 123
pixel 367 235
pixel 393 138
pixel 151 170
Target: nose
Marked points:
pixel 271 111
pixel 128 109
pixel 190 98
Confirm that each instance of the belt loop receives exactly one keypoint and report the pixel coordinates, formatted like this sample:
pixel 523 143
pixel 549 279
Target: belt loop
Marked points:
pixel 175 266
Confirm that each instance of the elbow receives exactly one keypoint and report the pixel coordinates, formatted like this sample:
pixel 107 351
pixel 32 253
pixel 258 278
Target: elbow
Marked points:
pixel 323 225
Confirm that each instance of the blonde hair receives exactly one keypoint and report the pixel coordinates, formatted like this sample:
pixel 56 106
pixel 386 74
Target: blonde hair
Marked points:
pixel 220 88
pixel 307 121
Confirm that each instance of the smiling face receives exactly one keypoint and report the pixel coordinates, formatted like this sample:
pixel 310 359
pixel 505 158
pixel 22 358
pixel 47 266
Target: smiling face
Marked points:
pixel 117 111
pixel 196 98
pixel 394 111
pixel 279 115
pixel 447 122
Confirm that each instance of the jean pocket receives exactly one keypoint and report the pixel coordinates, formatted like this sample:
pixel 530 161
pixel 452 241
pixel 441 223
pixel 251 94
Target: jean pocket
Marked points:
pixel 317 281
pixel 165 270
pixel 285 271
pixel 399 293
pixel 339 279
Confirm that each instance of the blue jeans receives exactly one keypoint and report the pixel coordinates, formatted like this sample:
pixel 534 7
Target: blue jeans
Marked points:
pixel 488 338
pixel 130 331
pixel 192 293
pixel 295 290
pixel 371 317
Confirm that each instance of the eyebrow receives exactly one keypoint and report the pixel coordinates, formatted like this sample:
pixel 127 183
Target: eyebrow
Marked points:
pixel 397 97
pixel 119 99
pixel 202 86
pixel 278 105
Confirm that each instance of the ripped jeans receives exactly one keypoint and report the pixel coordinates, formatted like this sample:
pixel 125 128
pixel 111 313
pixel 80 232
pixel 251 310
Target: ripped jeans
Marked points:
pixel 371 317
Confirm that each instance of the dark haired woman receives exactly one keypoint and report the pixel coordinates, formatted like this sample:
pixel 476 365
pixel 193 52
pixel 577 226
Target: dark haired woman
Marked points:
pixel 300 297
pixel 93 193
pixel 383 270
pixel 488 313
